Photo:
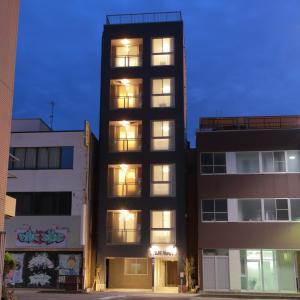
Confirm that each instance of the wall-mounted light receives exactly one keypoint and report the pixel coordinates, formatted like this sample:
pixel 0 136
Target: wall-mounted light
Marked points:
pixel 125 42
pixel 292 157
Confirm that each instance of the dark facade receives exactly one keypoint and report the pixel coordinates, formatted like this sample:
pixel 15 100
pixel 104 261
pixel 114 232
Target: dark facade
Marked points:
pixel 249 200
pixel 142 169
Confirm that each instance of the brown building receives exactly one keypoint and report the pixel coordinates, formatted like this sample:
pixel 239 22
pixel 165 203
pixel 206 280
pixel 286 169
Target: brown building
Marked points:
pixel 249 203
pixel 9 13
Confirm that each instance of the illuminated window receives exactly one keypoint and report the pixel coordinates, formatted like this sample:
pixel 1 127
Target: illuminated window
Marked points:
pixel 162 51
pixel 124 180
pixel 123 226
pixel 163 227
pixel 163 180
pixel 125 93
pixel 163 92
pixel 273 161
pixel 125 136
pixel 126 53
pixel 163 137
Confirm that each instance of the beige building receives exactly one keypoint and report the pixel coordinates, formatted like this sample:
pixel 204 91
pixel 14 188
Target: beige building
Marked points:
pixel 9 13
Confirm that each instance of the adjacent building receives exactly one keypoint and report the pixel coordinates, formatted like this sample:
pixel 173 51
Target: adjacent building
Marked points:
pixel 249 203
pixel 51 176
pixel 141 215
pixel 9 15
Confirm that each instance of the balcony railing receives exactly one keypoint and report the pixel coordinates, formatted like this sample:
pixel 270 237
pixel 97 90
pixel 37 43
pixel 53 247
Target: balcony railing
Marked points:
pixel 174 16
pixel 125 61
pixel 123 236
pixel 163 236
pixel 124 145
pixel 121 102
pixel 125 190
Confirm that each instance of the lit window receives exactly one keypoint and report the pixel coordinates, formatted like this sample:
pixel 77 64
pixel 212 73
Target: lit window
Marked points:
pixel 213 163
pixel 125 136
pixel 273 161
pixel 126 53
pixel 163 92
pixel 124 180
pixel 293 160
pixel 136 266
pixel 163 137
pixel 163 180
pixel 125 93
pixel 214 210
pixel 163 227
pixel 162 51
pixel 123 226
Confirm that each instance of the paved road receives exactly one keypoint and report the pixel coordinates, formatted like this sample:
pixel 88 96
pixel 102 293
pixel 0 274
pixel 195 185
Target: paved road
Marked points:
pixel 35 295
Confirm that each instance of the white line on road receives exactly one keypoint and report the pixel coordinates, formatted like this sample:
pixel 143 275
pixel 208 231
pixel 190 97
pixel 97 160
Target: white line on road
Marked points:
pixel 112 297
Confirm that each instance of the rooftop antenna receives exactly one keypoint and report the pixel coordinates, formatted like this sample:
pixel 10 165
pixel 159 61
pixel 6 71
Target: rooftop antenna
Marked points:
pixel 52 104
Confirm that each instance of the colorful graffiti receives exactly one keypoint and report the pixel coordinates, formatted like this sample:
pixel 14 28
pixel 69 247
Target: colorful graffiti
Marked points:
pixel 37 238
pixel 69 264
pixel 15 276
pixel 42 269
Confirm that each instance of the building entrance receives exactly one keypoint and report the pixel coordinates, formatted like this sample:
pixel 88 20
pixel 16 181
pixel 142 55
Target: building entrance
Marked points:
pixel 165 275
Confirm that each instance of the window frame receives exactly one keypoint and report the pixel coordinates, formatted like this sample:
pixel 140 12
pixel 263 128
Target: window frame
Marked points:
pixel 136 259
pixel 171 94
pixel 172 53
pixel 214 211
pixel 213 165
pixel 171 137
pixel 171 182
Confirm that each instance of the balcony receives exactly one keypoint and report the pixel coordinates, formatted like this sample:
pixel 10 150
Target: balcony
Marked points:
pixel 125 136
pixel 125 94
pixel 126 53
pixel 123 236
pixel 125 190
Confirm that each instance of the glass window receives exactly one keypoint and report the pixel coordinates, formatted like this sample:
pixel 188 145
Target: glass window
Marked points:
pixel 124 180
pixel 163 180
pixel 273 161
pixel 136 266
pixel 295 209
pixel 126 93
pixel 54 157
pixel 216 252
pixel 43 158
pixel 125 136
pixel 249 210
pixel 19 163
pixel 126 53
pixel 213 163
pixel 247 162
pixel 163 51
pixel 163 227
pixel 123 226
pixel 276 209
pixel 67 157
pixel 163 135
pixel 163 92
pixel 214 210
pixel 293 160
pixel 30 159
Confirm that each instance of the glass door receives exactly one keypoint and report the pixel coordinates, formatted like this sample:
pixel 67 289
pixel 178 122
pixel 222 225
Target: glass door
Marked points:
pixel 254 275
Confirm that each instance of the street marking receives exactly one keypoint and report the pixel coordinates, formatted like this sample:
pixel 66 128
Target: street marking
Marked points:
pixel 113 297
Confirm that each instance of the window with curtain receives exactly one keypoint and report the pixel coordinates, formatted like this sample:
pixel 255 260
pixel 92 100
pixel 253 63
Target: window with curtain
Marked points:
pixel 163 180
pixel 163 51
pixel 276 209
pixel 136 266
pixel 247 162
pixel 163 92
pixel 163 227
pixel 163 135
pixel 295 209
pixel 273 161
pixel 293 160
pixel 249 210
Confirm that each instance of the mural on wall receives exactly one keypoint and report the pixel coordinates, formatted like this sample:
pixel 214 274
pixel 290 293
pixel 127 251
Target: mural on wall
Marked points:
pixel 15 277
pixel 30 237
pixel 41 270
pixel 69 264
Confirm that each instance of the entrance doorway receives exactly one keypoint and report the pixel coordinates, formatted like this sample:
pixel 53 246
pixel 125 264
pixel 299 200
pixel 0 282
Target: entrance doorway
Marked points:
pixel 165 275
pixel 171 273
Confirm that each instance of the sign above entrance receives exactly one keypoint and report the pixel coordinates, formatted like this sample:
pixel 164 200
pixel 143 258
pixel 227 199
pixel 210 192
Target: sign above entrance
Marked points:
pixel 163 251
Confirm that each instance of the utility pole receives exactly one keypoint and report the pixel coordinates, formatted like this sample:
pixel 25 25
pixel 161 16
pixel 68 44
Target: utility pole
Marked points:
pixel 52 104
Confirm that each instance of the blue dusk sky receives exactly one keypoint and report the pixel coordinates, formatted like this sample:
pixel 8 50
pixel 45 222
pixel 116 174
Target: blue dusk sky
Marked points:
pixel 243 57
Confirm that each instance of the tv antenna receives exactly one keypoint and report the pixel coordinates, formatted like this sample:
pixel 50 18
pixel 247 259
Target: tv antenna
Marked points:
pixel 52 104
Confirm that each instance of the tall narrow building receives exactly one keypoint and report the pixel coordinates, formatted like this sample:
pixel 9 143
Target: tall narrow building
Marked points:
pixel 9 14
pixel 141 214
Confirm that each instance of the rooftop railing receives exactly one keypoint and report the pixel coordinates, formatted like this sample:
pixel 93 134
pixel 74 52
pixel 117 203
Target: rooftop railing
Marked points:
pixel 248 123
pixel 160 17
